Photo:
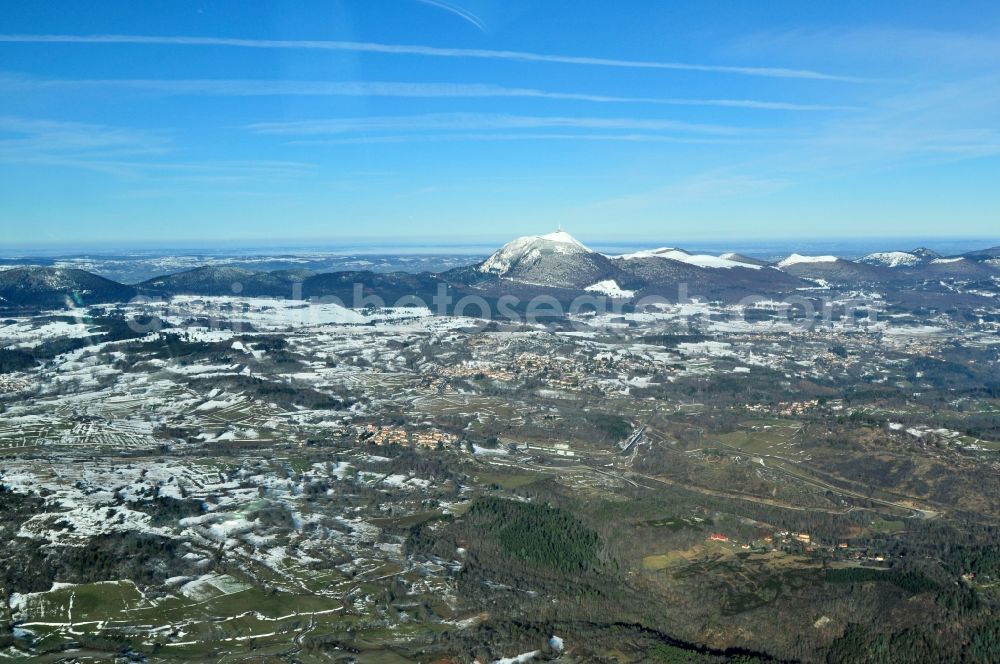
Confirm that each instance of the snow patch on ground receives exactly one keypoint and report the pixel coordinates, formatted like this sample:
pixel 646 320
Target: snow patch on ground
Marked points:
pixel 712 348
pixel 917 330
pixel 610 288
pixel 27 335
pixel 519 659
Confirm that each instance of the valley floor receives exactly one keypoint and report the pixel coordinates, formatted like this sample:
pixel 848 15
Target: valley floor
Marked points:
pixel 265 481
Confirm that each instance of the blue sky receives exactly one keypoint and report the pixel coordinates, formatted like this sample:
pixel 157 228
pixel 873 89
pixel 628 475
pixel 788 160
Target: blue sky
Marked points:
pixel 461 120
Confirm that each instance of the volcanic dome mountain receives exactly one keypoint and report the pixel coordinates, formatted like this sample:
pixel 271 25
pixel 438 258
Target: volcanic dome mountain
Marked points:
pixel 556 260
pixel 894 259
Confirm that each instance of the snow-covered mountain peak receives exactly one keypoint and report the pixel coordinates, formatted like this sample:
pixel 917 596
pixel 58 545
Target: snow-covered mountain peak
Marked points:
pixel 892 259
pixel 795 259
pixel 530 248
pixel 562 237
pixel 681 256
pixel 554 260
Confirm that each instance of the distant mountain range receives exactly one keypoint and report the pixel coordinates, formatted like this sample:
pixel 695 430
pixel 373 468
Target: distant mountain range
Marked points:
pixel 55 288
pixel 226 280
pixel 559 260
pixel 556 263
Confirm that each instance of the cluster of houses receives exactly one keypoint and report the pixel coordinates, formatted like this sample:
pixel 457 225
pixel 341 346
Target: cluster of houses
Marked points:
pixel 477 369
pixel 10 383
pixel 389 435
pixel 785 408
pixel 767 540
pixel 555 371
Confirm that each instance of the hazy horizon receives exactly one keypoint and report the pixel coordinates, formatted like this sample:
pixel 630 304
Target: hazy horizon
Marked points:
pixel 755 247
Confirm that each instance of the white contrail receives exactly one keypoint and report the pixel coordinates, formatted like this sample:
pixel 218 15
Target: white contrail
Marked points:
pixel 257 87
pixel 484 121
pixel 481 137
pixel 408 49
pixel 457 11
